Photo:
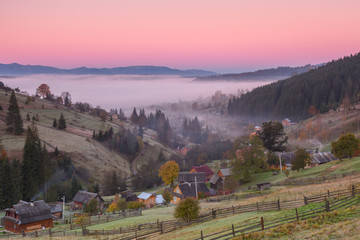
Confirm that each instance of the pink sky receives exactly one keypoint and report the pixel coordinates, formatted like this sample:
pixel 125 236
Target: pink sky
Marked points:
pixel 223 36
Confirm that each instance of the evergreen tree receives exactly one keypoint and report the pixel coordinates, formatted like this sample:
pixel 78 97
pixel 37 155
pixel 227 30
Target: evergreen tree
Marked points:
pixel 56 151
pixel 14 122
pixel 75 187
pixel 32 160
pixel 54 123
pixel 16 181
pixel 28 117
pixel 62 123
pixel 134 117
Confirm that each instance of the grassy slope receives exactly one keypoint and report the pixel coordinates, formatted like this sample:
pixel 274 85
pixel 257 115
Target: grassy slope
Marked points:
pixel 76 140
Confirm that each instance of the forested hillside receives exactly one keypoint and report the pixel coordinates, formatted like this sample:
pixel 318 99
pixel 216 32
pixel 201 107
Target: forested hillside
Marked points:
pixel 324 88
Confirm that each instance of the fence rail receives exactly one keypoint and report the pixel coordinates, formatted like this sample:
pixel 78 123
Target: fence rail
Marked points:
pixel 335 197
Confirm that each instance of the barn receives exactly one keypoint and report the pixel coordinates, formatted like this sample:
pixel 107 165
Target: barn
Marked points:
pixel 28 216
pixel 83 197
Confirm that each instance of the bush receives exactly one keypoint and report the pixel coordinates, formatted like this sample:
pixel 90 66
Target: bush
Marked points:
pixel 187 210
pixel 122 205
pixel 136 205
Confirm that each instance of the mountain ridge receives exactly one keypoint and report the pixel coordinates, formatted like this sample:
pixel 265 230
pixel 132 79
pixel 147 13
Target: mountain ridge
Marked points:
pixel 19 69
pixel 281 72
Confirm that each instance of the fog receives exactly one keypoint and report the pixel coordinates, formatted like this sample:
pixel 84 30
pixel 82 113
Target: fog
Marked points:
pixel 127 91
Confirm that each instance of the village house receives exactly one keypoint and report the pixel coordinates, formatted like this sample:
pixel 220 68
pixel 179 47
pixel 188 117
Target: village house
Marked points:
pixel 190 177
pixel 286 122
pixel 128 195
pixel 188 190
pixel 147 198
pixel 216 182
pixel 203 168
pixel 56 210
pixel 28 216
pixel 263 186
pixel 83 197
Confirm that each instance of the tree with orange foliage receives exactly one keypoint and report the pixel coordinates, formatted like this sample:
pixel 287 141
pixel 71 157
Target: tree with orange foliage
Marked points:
pixel 312 110
pixel 43 90
pixel 169 171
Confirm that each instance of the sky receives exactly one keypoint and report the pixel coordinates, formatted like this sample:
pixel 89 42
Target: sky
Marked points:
pixel 222 36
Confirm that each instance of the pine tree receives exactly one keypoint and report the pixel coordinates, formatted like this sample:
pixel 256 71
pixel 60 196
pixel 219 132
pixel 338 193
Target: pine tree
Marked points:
pixel 54 123
pixel 31 159
pixel 16 181
pixel 62 123
pixel 134 117
pixel 14 122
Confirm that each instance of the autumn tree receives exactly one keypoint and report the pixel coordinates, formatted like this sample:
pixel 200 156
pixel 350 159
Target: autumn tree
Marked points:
pixel 169 171
pixel 14 122
pixel 345 146
pixel 312 110
pixel 43 90
pixel 273 136
pixel 301 159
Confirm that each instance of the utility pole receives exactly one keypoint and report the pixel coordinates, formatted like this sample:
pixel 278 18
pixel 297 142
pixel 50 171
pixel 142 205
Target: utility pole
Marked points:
pixel 63 210
pixel 196 188
pixel 280 163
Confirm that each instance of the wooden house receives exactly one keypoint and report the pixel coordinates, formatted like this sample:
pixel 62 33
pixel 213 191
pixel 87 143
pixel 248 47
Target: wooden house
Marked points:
pixel 147 198
pixel 83 197
pixel 56 210
pixel 224 172
pixel 28 216
pixel 188 190
pixel 190 177
pixel 216 182
pixel 286 122
pixel 128 195
pixel 203 168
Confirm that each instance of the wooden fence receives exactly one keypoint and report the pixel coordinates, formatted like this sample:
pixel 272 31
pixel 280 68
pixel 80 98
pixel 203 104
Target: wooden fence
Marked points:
pixel 149 230
pixel 262 224
pixel 74 229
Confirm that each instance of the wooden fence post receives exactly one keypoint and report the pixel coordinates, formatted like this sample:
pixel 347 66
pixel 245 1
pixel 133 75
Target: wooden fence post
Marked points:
pixel 279 204
pixel 327 206
pixel 36 234
pixel 103 232
pixel 107 218
pixel 353 190
pixel 233 210
pixel 262 223
pixel 257 206
pixel 233 229
pixel 135 234
pixel 201 234
pixel 305 200
pixel 161 228
pixel 158 224
pixel 64 233
pixel 49 232
pixel 214 213
pixel 297 215
pixel 328 193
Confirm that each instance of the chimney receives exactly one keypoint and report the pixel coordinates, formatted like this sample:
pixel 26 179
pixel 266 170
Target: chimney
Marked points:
pixel 32 203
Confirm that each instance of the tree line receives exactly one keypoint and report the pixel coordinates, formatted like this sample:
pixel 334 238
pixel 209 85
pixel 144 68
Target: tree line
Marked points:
pixel 323 88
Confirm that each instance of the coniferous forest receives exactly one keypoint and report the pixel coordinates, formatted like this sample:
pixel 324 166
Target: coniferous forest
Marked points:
pixel 322 89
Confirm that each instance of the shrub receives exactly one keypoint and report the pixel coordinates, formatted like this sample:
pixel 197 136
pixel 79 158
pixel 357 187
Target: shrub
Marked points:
pixel 136 205
pixel 122 205
pixel 187 210
pixel 167 197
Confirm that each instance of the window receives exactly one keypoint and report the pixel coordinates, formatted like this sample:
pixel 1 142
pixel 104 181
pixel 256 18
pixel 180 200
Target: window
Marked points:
pixel 174 199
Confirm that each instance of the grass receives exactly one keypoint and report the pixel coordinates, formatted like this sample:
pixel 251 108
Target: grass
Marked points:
pixel 149 215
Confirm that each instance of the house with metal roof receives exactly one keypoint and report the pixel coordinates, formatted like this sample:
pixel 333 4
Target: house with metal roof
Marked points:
pixel 190 177
pixel 148 198
pixel 28 216
pixel 203 168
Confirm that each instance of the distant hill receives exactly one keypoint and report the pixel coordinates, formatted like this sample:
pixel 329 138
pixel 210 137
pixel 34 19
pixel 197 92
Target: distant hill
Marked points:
pixel 18 69
pixel 259 75
pixel 324 88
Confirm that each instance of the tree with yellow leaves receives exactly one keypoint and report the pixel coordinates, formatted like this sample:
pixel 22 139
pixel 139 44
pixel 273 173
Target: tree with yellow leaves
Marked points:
pixel 169 171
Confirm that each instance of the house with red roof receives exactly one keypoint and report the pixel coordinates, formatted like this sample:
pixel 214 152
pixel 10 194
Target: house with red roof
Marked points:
pixel 203 168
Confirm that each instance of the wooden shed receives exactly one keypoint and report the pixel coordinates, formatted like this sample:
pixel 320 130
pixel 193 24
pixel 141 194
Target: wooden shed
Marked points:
pixel 83 197
pixel 28 216
pixel 147 198
pixel 263 186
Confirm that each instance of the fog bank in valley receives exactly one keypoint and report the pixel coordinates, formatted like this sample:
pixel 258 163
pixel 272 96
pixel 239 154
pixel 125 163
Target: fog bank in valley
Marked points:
pixel 127 91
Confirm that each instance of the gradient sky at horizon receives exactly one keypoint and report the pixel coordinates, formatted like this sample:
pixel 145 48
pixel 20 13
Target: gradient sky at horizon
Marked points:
pixel 223 36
